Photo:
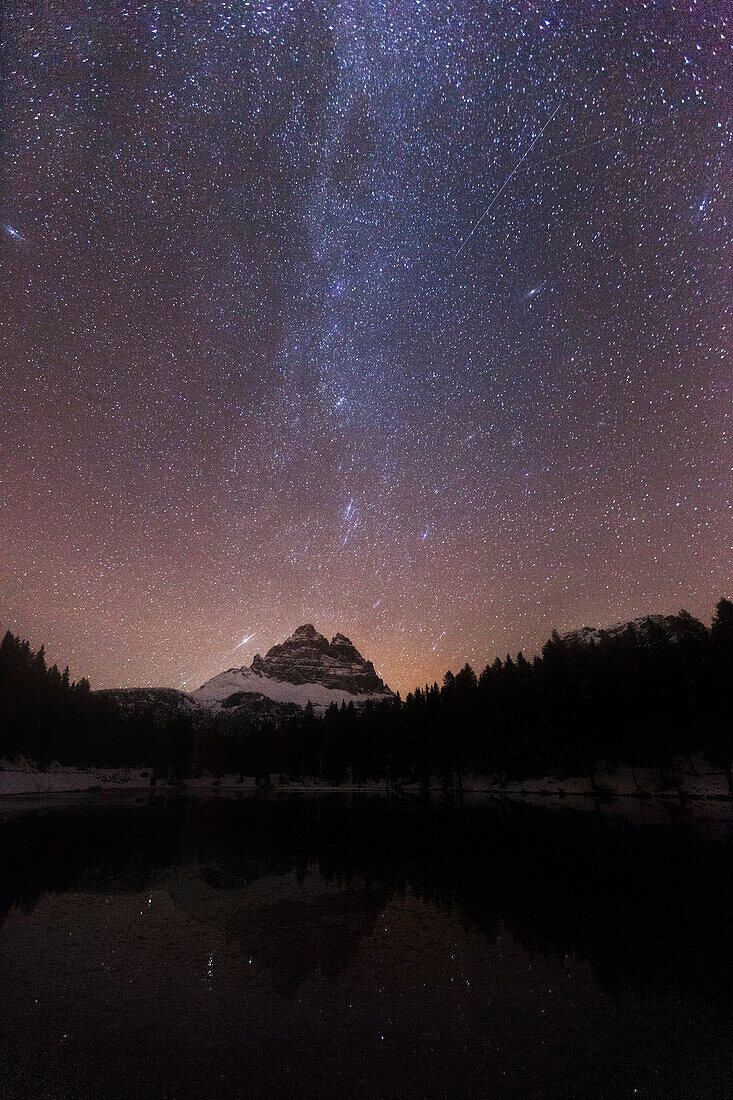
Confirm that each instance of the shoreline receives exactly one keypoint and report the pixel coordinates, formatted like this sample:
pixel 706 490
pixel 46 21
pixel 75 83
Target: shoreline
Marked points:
pixel 692 780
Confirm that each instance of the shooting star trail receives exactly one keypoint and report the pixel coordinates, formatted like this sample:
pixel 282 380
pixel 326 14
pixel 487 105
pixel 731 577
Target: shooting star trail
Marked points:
pixel 580 148
pixel 244 641
pixel 518 165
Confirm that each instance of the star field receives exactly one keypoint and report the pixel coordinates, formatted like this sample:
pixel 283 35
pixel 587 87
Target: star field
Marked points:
pixel 403 317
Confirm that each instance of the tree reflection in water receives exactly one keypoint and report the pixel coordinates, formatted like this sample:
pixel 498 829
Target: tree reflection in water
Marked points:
pixel 298 883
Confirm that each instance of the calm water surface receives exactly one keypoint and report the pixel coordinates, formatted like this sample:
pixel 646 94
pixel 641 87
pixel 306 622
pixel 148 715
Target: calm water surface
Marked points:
pixel 332 946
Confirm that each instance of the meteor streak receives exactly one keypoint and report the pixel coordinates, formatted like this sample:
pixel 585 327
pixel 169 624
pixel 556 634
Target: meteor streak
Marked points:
pixel 519 163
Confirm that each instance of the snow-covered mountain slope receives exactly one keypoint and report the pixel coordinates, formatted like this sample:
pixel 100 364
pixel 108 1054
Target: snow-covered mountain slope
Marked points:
pixel 217 690
pixel 305 668
pixel 167 700
pixel 674 626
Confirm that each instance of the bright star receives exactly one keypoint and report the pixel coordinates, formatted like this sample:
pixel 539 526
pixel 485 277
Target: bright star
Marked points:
pixel 14 233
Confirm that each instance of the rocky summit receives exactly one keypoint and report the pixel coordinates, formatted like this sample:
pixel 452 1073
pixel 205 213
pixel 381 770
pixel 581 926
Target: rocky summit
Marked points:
pixel 307 657
pixel 305 668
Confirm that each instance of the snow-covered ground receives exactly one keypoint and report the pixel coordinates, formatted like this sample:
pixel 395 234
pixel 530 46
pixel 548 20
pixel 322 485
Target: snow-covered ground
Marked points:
pixel 692 778
pixel 22 777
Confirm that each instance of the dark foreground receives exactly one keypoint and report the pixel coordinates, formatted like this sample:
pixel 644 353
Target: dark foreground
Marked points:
pixel 200 946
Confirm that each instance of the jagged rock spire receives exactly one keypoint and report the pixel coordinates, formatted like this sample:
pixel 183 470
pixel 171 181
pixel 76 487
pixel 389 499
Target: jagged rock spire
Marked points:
pixel 306 657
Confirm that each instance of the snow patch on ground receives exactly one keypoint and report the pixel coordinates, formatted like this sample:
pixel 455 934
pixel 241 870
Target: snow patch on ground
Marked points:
pixel 22 777
pixel 692 779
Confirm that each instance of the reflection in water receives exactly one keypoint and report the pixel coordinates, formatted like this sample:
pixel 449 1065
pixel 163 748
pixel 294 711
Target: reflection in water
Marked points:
pixel 292 925
pixel 315 945
pixel 296 936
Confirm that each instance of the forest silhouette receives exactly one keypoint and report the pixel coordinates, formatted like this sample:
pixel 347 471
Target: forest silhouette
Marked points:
pixel 641 696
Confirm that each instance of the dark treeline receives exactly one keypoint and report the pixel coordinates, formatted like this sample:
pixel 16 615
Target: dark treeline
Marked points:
pixel 640 696
pixel 46 716
pixel 41 708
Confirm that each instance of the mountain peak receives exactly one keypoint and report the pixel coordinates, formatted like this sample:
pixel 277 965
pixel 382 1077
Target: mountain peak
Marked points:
pixel 305 666
pixel 307 630
pixel 306 657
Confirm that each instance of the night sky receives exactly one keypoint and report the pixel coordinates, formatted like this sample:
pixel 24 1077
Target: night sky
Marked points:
pixel 401 317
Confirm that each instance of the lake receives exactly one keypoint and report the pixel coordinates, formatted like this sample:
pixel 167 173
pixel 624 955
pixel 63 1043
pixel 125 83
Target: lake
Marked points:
pixel 192 945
